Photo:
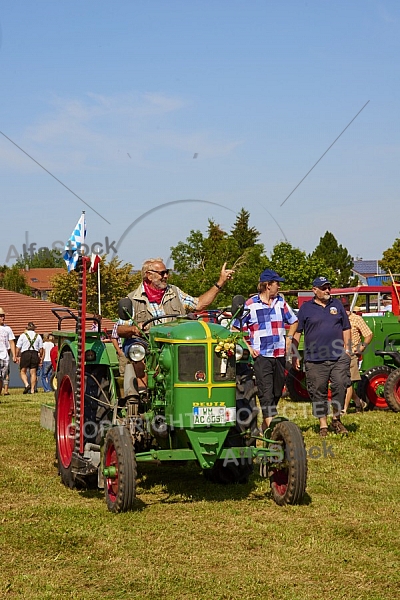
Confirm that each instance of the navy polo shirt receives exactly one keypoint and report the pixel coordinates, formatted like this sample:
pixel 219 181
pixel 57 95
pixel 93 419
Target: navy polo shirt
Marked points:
pixel 323 328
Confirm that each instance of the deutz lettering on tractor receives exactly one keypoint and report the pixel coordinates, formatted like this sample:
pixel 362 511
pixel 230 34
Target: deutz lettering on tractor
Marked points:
pixel 199 405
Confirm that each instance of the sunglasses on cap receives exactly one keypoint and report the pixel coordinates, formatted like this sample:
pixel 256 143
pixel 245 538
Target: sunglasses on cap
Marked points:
pixel 162 273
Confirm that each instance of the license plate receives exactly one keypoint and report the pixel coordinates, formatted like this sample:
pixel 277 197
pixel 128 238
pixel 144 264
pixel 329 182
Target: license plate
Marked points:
pixel 213 415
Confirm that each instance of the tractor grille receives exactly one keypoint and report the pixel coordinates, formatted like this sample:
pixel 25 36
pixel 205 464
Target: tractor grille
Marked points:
pixel 191 360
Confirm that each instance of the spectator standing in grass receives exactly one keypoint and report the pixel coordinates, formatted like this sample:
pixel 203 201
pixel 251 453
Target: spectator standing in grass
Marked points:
pixel 265 320
pixel 327 350
pixel 30 356
pixel 47 369
pixel 7 346
pixel 361 336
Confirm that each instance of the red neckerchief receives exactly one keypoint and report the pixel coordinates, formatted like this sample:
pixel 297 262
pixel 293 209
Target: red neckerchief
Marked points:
pixel 153 294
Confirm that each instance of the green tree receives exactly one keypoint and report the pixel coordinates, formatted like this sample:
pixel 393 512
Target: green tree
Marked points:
pixel 244 235
pixel 44 258
pixel 115 282
pixel 298 268
pixel 13 279
pixel 391 258
pixel 198 260
pixel 337 257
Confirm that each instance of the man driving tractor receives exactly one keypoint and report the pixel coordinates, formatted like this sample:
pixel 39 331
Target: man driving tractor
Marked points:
pixel 155 297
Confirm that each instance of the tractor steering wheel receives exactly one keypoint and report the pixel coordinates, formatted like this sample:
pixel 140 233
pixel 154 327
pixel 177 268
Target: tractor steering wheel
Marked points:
pixel 160 317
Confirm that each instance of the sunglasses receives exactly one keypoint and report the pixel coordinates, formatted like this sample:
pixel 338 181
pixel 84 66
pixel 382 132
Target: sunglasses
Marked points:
pixel 325 287
pixel 162 273
pixel 2 316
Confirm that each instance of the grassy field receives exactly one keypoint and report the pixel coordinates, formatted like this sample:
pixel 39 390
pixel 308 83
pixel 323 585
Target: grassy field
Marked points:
pixel 190 539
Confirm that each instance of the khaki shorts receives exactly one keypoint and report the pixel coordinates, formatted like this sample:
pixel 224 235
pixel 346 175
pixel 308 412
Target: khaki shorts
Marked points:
pixel 354 372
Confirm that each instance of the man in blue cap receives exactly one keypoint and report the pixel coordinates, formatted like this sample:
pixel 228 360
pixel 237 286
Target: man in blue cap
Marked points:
pixel 327 349
pixel 268 312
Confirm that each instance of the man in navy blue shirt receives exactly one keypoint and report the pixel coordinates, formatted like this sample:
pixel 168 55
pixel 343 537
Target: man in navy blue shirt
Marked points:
pixel 327 349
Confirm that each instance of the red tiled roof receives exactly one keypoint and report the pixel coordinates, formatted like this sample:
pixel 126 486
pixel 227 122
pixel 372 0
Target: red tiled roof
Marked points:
pixel 21 309
pixel 40 279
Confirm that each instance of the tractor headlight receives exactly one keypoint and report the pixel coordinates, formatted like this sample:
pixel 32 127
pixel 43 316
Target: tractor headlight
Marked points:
pixel 135 349
pixel 137 352
pixel 238 352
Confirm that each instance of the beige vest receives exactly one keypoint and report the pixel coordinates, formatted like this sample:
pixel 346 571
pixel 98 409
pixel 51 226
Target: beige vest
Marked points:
pixel 170 303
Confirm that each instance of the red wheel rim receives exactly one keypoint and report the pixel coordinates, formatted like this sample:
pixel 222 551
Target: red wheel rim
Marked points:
pixel 375 390
pixel 65 422
pixel 279 480
pixel 111 460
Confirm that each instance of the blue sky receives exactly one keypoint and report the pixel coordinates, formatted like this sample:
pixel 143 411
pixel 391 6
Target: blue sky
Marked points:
pixel 115 99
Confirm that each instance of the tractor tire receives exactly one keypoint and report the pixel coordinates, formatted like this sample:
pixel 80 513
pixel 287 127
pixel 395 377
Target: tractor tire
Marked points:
pixel 65 418
pixel 372 385
pixel 392 390
pixel 296 386
pixel 288 479
pixel 228 472
pixel 120 489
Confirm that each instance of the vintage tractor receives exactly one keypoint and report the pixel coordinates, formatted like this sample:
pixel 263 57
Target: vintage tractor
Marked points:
pixel 199 405
pixel 379 359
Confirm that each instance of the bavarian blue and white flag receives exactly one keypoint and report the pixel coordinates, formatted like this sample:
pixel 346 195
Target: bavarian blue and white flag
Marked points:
pixel 73 246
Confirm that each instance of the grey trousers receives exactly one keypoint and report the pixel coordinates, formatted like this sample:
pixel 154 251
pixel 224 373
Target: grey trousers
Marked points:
pixel 319 375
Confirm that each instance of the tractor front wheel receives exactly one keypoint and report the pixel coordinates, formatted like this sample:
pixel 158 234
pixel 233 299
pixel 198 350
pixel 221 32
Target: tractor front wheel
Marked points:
pixel 119 470
pixel 288 475
pixel 372 387
pixel 392 390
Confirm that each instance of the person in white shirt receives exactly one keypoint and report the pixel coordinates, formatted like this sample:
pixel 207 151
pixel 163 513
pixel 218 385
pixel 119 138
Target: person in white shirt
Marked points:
pixel 30 356
pixel 47 369
pixel 387 303
pixel 7 345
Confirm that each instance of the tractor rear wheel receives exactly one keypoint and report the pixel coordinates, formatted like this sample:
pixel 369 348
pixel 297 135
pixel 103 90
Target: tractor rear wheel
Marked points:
pixel 65 418
pixel 288 475
pixel 372 386
pixel 120 471
pixel 296 385
pixel 392 390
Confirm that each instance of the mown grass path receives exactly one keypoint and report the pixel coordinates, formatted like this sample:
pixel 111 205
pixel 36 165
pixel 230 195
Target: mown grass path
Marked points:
pixel 190 539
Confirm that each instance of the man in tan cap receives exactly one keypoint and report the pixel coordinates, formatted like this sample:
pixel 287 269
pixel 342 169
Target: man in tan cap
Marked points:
pixel 30 355
pixel 7 346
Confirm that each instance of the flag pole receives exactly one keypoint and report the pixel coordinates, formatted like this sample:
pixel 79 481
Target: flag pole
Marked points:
pixel 98 287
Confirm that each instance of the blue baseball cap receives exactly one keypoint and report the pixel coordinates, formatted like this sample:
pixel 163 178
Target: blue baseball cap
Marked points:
pixel 320 281
pixel 269 275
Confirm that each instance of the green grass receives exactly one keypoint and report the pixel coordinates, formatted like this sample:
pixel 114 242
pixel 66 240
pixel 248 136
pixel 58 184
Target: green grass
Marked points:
pixel 190 539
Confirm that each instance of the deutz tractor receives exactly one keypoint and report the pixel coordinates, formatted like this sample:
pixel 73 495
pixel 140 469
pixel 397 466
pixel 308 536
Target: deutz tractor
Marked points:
pixel 199 405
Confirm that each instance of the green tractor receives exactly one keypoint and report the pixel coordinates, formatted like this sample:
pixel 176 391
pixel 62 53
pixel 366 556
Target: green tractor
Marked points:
pixel 199 405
